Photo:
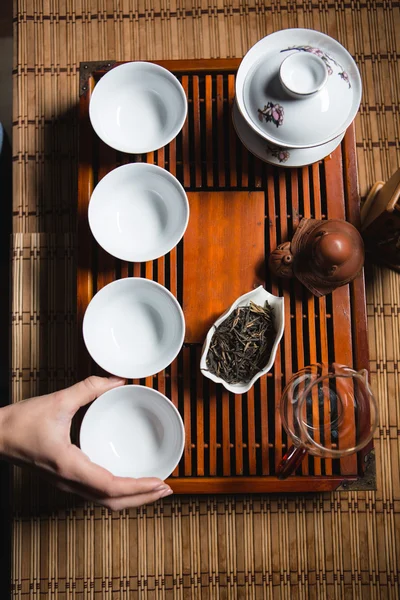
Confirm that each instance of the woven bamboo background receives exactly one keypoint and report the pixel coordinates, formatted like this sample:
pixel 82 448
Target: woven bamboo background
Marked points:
pixel 344 545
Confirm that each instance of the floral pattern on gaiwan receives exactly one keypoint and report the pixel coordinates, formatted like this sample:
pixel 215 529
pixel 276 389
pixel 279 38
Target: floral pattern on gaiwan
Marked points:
pixel 271 113
pixel 280 153
pixel 345 77
pixel 328 60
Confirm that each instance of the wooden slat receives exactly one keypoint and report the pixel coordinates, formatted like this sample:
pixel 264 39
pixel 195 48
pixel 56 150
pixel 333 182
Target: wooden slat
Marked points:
pixel 298 290
pixel 149 381
pixel 264 425
pixel 105 262
pixel 226 441
pixel 289 342
pixel 187 454
pixel 106 271
pixel 199 417
pixel 173 289
pixel 220 125
pixel 251 440
pixel 199 65
pixel 255 485
pixel 161 157
pixel 316 183
pixel 174 395
pixel 245 166
pixel 185 139
pixel 274 289
pixel 161 384
pixel 357 287
pixel 212 442
pixel 172 157
pixel 311 325
pixel 84 251
pixel 161 260
pixel 124 269
pixel 285 235
pixel 238 435
pixel 322 322
pixel 174 365
pixel 209 132
pixel 197 131
pixel 232 134
pixel 341 302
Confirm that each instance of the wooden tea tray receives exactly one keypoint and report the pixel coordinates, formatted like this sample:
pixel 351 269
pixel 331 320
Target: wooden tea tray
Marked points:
pixel 241 208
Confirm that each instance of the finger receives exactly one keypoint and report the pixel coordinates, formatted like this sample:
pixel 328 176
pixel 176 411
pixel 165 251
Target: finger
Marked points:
pixel 134 501
pixel 89 389
pixel 80 469
pixel 117 504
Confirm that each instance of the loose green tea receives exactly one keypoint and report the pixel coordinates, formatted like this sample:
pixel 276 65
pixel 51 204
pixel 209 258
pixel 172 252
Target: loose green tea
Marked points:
pixel 241 345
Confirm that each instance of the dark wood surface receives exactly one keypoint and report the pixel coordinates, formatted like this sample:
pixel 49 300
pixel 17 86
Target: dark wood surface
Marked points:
pixel 234 443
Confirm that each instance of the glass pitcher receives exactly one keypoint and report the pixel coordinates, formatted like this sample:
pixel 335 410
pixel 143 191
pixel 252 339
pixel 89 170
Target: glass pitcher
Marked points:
pixel 328 411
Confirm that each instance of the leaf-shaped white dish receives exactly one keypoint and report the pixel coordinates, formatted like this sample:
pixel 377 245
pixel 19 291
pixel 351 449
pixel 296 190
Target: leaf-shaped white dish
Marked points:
pixel 258 296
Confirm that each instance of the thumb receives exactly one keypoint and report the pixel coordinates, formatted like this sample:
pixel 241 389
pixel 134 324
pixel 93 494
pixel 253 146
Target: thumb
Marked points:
pixel 89 389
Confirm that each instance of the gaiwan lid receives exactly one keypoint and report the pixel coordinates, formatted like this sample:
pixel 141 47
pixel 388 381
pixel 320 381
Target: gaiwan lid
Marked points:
pixel 298 88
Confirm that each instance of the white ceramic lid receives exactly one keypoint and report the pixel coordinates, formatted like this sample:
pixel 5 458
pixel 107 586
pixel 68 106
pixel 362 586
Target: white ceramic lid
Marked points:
pixel 298 88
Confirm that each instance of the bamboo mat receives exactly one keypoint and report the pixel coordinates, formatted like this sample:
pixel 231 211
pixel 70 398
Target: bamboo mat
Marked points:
pixel 336 546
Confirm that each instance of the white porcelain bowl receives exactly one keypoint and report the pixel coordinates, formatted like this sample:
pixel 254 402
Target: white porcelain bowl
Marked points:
pixel 258 296
pixel 133 431
pixel 138 212
pixel 298 88
pixel 133 328
pixel 138 107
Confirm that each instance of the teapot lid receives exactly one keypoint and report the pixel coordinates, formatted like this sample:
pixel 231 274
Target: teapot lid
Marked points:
pixel 327 254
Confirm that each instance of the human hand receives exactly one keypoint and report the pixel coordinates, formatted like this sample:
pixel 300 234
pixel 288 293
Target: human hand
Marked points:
pixel 36 432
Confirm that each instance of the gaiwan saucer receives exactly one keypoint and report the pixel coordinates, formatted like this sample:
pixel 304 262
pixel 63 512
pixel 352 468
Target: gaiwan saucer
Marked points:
pixel 277 155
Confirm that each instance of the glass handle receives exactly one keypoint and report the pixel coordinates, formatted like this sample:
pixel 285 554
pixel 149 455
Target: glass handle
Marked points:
pixel 292 459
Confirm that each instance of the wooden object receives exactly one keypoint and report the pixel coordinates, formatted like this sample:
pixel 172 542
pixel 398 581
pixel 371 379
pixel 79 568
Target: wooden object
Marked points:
pixel 210 259
pixel 381 221
pixel 234 443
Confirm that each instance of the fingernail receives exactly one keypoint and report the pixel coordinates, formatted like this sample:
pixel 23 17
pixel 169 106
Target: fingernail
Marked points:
pixel 161 488
pixel 167 492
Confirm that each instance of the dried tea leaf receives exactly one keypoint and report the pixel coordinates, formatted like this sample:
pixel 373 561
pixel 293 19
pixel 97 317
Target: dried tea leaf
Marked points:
pixel 241 345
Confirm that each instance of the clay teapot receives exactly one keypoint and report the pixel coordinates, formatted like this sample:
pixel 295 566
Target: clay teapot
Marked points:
pixel 323 255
